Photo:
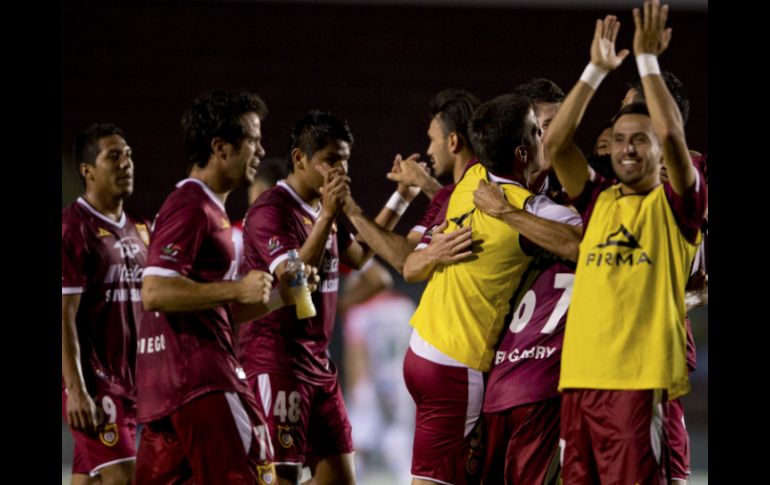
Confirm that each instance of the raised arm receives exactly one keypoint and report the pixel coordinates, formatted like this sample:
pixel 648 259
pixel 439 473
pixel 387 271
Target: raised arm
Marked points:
pixel 650 39
pixel 568 161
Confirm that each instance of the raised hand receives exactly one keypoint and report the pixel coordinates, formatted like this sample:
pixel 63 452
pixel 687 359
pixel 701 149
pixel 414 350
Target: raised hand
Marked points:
pixel 603 45
pixel 335 189
pixel 411 175
pixel 651 35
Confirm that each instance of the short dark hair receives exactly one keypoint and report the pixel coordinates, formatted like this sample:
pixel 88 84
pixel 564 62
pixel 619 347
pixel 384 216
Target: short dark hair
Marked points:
pixel 454 108
pixel 540 90
pixel 217 114
pixel 316 130
pixel 675 87
pixel 86 147
pixel 635 108
pixel 497 128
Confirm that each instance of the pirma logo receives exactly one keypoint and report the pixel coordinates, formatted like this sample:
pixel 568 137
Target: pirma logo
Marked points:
pixel 621 237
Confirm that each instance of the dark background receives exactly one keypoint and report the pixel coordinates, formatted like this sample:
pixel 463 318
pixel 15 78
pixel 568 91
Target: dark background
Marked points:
pixel 139 65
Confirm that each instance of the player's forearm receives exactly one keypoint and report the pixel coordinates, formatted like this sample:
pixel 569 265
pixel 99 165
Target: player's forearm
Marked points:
pixel 559 238
pixel 567 160
pixel 419 265
pixel 72 372
pixel 392 247
pixel 177 294
pixel 668 125
pixel 312 250
pixel 430 186
pixel 387 218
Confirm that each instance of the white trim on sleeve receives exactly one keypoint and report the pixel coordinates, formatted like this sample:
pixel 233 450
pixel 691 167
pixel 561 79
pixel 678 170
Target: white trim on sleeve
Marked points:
pixel 544 207
pixel 280 259
pixel 158 271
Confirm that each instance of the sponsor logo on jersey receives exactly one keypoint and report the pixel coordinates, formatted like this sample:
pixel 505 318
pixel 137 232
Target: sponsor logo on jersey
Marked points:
pixel 622 240
pixel 273 245
pixel 144 233
pixel 285 436
pixel 123 273
pixel 109 435
pixel 151 345
pixel 128 247
pixel 622 237
pixel 266 474
pixel 170 252
pixel 103 232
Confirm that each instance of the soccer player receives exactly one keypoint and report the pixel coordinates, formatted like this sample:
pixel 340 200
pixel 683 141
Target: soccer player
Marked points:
pixel 624 343
pixel 474 263
pixel 201 419
pixel 286 358
pixel 697 285
pixel 451 154
pixel 104 250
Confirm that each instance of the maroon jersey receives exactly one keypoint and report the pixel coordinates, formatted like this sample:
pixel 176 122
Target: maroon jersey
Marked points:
pixel 436 203
pixel 102 261
pixel 181 356
pixel 278 221
pixel 527 361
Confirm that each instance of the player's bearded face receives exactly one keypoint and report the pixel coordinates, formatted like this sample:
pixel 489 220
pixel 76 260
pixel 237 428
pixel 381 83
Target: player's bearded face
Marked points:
pixel 636 152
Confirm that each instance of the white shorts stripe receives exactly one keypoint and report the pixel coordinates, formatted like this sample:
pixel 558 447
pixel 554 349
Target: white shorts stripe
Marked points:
pixel 475 399
pixel 241 418
pixel 656 425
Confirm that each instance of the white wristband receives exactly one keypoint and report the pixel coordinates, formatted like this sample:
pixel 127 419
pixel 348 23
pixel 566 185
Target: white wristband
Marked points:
pixel 276 300
pixel 593 75
pixel 647 64
pixel 397 203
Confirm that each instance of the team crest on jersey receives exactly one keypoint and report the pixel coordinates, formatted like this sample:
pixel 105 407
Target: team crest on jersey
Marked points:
pixel 273 245
pixel 285 437
pixel 266 474
pixel 144 234
pixel 103 232
pixel 225 223
pixel 307 221
pixel 109 435
pixel 622 237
